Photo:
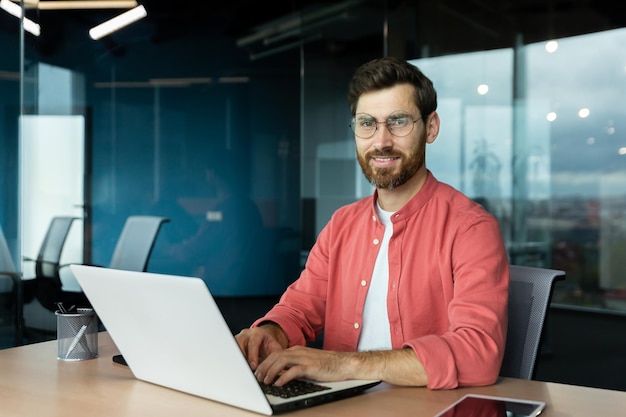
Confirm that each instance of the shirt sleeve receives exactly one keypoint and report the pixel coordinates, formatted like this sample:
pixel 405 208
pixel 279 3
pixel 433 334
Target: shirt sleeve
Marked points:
pixel 471 351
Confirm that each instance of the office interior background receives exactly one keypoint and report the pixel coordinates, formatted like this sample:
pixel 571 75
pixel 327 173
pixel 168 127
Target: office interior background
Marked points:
pixel 199 99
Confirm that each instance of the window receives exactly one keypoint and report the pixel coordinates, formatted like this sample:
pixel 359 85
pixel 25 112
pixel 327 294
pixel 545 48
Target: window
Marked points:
pixel 548 161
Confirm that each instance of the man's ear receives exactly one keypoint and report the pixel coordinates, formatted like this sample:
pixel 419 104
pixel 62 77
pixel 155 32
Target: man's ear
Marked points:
pixel 432 127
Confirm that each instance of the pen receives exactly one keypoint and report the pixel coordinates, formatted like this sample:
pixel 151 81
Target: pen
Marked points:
pixel 62 308
pixel 76 340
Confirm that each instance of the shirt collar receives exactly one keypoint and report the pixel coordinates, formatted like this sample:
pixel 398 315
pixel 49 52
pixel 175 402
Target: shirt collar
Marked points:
pixel 414 204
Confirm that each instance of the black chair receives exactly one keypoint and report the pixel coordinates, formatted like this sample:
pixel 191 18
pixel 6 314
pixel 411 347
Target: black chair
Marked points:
pixel 530 292
pixel 132 252
pixel 11 286
pixel 47 287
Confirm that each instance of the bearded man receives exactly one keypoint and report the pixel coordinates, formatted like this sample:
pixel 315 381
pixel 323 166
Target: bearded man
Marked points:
pixel 408 285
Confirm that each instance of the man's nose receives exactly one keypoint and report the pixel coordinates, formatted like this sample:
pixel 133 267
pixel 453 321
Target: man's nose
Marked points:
pixel 383 137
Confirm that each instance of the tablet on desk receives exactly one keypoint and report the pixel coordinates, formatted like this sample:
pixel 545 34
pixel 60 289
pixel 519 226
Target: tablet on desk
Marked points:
pixel 474 405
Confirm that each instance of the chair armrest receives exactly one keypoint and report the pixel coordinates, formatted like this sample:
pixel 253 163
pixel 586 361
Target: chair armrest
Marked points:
pixel 16 277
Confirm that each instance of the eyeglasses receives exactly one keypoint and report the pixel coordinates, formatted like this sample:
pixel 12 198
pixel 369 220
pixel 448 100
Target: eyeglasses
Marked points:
pixel 399 124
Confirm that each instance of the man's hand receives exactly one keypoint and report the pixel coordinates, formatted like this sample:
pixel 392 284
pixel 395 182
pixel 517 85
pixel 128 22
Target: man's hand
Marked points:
pixel 398 366
pixel 259 342
pixel 265 347
pixel 282 366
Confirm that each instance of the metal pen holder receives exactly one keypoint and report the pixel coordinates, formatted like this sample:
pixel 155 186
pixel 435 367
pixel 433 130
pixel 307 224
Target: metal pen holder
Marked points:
pixel 77 335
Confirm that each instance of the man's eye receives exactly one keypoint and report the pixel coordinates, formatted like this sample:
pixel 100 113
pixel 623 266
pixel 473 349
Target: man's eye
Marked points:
pixel 398 121
pixel 366 123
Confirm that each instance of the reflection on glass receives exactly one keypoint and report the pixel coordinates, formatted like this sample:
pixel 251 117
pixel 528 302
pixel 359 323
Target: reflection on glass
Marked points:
pixel 556 184
pixel 228 238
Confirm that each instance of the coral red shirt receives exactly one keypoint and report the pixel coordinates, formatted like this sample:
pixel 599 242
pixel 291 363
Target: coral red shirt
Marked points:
pixel 447 292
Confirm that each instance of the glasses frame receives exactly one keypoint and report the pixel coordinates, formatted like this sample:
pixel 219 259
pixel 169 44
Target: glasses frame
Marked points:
pixel 386 123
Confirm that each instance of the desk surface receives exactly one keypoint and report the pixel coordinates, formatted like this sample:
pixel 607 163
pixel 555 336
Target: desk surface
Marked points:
pixel 34 383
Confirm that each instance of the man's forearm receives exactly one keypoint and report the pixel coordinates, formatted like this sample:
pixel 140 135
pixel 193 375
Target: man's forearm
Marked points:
pixel 398 366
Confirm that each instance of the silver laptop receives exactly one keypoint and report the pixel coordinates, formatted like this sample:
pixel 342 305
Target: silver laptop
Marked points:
pixel 171 333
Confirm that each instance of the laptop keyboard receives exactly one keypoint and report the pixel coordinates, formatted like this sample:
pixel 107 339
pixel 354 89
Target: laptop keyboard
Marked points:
pixel 292 388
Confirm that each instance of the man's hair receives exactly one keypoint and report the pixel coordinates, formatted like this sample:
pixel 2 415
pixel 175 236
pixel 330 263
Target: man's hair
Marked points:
pixel 387 72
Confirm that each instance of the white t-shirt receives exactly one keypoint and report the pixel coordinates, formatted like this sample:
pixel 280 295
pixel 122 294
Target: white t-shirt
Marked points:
pixel 375 331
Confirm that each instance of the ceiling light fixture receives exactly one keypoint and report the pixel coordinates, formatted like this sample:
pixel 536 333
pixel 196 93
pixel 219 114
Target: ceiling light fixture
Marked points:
pixel 92 4
pixel 16 11
pixel 296 22
pixel 117 22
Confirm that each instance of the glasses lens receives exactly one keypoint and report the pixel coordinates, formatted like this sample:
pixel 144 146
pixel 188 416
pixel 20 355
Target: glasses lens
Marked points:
pixel 363 125
pixel 400 124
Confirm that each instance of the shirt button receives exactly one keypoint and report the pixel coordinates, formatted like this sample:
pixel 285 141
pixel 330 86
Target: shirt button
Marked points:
pixel 374 218
pixel 356 325
pixel 376 241
pixel 363 283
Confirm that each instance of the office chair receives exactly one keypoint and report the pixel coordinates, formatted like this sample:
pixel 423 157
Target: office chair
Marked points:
pixel 132 252
pixel 530 292
pixel 11 290
pixel 134 246
pixel 47 286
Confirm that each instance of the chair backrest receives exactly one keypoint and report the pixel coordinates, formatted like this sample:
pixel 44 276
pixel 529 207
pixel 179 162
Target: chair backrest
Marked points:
pixel 530 292
pixel 49 256
pixel 135 244
pixel 7 266
pixel 10 282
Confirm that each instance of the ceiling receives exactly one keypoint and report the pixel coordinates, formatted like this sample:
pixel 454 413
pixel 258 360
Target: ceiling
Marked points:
pixel 262 27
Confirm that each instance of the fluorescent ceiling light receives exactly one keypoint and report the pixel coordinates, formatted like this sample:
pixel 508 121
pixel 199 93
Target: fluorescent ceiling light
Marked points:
pixel 88 4
pixel 16 11
pixel 117 22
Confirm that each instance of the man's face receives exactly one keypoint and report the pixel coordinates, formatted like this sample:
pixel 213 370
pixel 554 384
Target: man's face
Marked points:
pixel 389 161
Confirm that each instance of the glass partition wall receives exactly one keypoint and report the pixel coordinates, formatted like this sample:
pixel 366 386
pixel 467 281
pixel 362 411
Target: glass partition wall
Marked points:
pixel 546 159
pixel 237 130
pixel 12 80
pixel 530 128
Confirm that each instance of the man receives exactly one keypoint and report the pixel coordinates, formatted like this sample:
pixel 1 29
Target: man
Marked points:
pixel 410 285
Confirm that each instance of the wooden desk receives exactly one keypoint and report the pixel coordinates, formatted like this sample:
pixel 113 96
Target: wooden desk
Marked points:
pixel 34 383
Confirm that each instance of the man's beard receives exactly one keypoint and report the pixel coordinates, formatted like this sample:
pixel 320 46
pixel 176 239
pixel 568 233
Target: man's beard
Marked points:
pixel 385 177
